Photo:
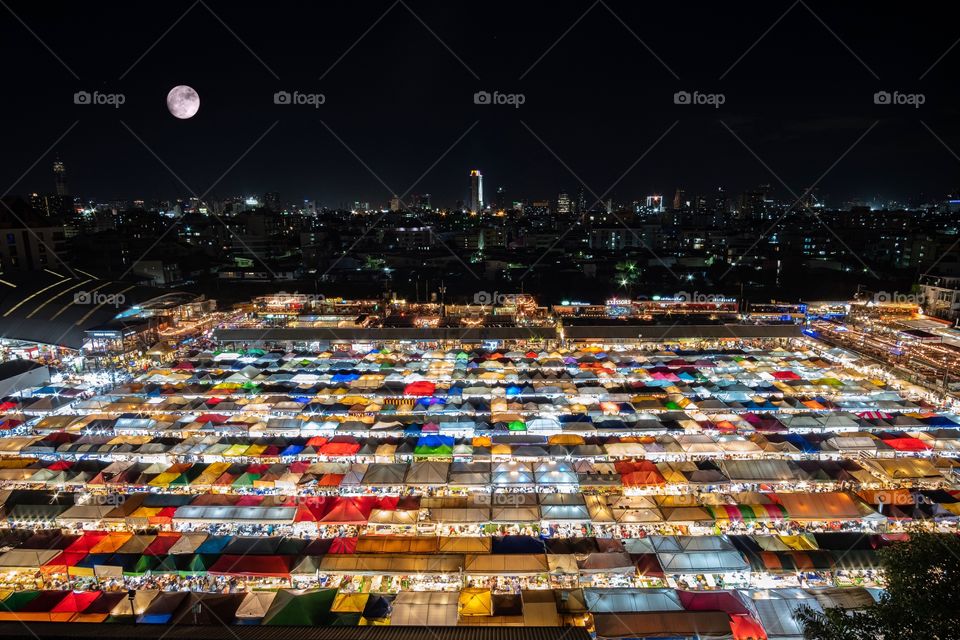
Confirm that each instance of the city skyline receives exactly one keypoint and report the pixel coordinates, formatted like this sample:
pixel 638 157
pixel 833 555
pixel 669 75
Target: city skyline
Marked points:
pixel 504 201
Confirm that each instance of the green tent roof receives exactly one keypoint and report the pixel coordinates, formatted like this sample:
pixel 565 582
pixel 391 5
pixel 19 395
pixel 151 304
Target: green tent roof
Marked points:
pixel 310 608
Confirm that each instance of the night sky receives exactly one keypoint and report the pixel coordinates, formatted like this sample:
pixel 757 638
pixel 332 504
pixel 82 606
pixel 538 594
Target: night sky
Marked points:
pixel 398 98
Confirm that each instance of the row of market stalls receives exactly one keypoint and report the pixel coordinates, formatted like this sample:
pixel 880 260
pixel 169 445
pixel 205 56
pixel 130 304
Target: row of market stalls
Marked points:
pixel 429 477
pixel 633 492
pixel 735 614
pixel 94 440
pixel 484 514
pixel 595 408
pixel 621 383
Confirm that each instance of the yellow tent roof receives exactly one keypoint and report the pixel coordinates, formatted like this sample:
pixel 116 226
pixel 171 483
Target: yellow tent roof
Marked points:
pixel 475 602
pixel 111 542
pixel 350 602
pixel 236 450
pixel 164 479
pixel 802 542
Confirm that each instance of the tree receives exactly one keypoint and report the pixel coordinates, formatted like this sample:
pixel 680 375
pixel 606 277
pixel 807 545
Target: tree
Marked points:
pixel 921 599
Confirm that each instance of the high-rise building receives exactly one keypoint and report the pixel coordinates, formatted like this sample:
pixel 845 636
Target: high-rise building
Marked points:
pixel 420 201
pixel 755 204
pixel 271 200
pixel 501 201
pixel 581 201
pixel 476 191
pixel 563 204
pixel 60 177
pixel 720 203
pixel 678 201
pixel 810 198
pixel 655 203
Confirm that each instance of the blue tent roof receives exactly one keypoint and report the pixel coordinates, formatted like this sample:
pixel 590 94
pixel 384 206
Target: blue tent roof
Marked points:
pixel 517 544
pixel 214 544
pixel 435 441
pixel 801 443
pixel 292 450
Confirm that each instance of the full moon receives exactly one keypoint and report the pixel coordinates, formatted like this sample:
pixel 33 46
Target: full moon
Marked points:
pixel 183 101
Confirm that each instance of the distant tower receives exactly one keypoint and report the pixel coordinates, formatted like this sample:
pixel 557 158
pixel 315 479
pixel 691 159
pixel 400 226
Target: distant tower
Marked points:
pixel 60 177
pixel 501 202
pixel 476 191
pixel 678 199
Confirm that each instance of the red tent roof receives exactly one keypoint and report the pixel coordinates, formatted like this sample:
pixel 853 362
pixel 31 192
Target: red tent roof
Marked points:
pixel 85 542
pixel 785 375
pixel 638 472
pixel 215 418
pixel 304 514
pixel 907 443
pixel 339 449
pixel 76 601
pixel 343 546
pixel 162 543
pixel 65 559
pixel 250 565
pixel 746 628
pixel 724 601
pixel 420 388
pixel 345 511
pixel 330 480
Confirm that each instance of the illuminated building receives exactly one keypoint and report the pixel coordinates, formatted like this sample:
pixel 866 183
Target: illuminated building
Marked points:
pixel 476 191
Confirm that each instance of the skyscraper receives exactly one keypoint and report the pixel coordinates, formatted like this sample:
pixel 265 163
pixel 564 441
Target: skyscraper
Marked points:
pixel 563 204
pixel 678 199
pixel 60 177
pixel 581 201
pixel 476 191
